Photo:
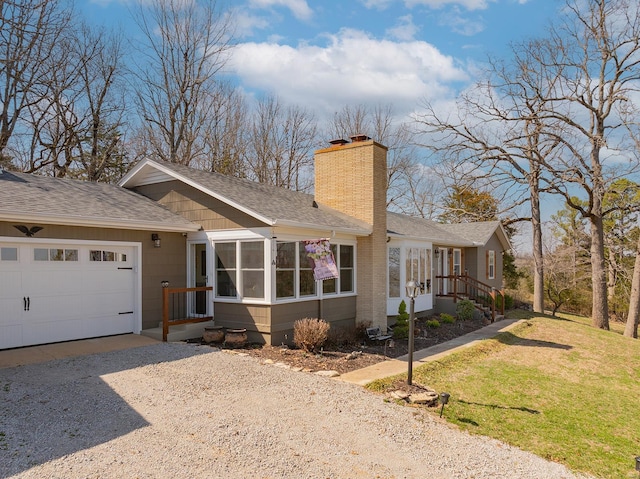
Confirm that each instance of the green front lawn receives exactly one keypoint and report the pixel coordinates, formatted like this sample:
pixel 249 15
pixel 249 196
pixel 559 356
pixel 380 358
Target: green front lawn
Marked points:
pixel 556 387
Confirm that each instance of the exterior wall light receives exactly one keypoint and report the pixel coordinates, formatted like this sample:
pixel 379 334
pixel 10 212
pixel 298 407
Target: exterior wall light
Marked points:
pixel 165 284
pixel 156 240
pixel 413 290
pixel 436 253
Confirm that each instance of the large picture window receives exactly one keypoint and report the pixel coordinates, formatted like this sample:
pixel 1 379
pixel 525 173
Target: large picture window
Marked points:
pixel 294 271
pixel 394 272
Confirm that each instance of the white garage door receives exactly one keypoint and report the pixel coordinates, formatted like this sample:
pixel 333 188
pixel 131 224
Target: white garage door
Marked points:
pixel 60 292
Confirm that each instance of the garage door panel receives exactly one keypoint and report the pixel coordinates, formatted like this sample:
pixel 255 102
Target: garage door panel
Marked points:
pixel 11 336
pixel 69 300
pixel 41 332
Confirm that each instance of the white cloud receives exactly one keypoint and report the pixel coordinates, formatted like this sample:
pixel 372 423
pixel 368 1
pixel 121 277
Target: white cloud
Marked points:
pixel 404 30
pixel 352 68
pixel 460 23
pixel 435 4
pixel 299 8
pixel 468 4
pixel 246 24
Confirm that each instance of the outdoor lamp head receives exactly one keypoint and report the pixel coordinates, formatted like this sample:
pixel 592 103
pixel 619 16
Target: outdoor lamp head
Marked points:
pixel 413 289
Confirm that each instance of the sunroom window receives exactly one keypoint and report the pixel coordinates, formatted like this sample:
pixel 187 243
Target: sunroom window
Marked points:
pixel 226 269
pixel 294 279
pixel 418 266
pixel 240 269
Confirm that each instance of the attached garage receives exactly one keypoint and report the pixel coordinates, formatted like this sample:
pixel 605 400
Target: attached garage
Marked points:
pixel 54 291
pixel 82 260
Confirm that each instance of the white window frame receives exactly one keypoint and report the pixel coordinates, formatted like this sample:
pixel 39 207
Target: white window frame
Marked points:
pixel 491 264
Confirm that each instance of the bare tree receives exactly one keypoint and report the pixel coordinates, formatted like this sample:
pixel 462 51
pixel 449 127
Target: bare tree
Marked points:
pixel 631 327
pixel 595 50
pixel 76 130
pixel 226 140
pixel 29 29
pixel 281 144
pixel 495 136
pixel 187 46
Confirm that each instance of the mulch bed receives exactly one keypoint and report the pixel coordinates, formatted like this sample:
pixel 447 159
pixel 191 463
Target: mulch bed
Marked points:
pixel 344 358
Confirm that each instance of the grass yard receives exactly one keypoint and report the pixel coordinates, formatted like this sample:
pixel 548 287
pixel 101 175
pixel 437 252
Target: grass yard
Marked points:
pixel 556 387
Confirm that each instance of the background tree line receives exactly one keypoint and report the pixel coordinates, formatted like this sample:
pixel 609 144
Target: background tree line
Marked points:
pixel 557 117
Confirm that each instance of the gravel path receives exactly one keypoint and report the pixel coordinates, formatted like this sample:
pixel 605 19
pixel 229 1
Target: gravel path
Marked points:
pixel 174 410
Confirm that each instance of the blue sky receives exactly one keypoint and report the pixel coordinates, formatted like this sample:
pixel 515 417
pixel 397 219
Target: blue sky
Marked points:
pixel 323 54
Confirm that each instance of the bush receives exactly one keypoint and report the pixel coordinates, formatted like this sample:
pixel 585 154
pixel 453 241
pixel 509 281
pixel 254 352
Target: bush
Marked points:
pixel 432 323
pixel 310 334
pixel 465 310
pixel 401 328
pixel 447 318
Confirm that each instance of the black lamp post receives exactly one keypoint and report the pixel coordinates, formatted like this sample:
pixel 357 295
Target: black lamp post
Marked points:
pixel 413 290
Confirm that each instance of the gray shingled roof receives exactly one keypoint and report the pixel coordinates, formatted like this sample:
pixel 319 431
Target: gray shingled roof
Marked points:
pixel 276 205
pixel 66 201
pixel 478 232
pixel 421 228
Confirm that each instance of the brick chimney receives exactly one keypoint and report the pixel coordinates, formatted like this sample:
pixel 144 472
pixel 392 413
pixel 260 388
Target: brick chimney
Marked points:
pixel 351 177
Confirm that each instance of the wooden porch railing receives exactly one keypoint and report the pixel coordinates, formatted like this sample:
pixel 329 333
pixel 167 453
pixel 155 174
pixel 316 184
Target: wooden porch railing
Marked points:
pixel 176 303
pixel 483 295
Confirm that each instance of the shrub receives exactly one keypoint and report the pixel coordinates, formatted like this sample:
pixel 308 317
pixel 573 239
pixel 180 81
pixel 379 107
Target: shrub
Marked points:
pixel 447 318
pixel 465 310
pixel 432 323
pixel 401 328
pixel 310 334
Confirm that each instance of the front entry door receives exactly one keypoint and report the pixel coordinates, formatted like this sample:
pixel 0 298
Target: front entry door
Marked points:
pixel 199 277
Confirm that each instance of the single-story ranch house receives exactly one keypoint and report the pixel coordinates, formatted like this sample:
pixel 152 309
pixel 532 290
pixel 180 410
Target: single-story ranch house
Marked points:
pixel 81 260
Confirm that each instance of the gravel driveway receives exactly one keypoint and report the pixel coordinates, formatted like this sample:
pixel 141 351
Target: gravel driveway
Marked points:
pixel 174 410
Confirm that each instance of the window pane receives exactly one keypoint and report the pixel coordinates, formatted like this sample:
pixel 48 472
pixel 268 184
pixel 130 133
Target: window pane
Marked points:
pixel 122 257
pixel 71 255
pixel 307 283
pixel 286 256
pixel 253 284
pixel 95 255
pixel 226 283
pixel 329 286
pixel 9 254
pixel 346 280
pixel 394 272
pixel 225 255
pixel 56 254
pixel 346 256
pixel 108 256
pixel 41 254
pixel 285 283
pixel 346 268
pixel 252 255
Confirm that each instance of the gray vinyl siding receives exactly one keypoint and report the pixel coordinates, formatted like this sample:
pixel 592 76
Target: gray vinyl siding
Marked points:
pixel 274 324
pixel 197 206
pixel 158 264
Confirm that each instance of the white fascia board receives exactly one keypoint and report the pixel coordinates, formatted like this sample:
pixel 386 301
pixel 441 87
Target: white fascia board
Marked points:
pixel 198 187
pixel 134 171
pixel 94 223
pixel 329 229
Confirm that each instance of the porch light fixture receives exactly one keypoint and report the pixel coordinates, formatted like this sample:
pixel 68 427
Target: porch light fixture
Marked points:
pixel 413 290
pixel 436 252
pixel 156 240
pixel 165 284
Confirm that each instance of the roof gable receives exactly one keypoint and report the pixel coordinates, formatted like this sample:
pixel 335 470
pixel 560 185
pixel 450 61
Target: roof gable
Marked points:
pixel 271 205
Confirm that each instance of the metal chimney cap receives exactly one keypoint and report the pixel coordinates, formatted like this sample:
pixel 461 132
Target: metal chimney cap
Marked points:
pixel 360 137
pixel 339 141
